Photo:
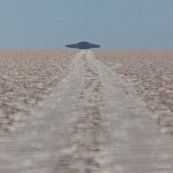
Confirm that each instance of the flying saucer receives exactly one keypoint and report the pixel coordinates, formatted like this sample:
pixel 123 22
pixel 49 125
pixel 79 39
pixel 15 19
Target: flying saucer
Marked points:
pixel 83 45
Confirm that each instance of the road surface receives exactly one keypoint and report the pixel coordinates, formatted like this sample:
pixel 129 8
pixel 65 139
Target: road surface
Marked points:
pixel 93 122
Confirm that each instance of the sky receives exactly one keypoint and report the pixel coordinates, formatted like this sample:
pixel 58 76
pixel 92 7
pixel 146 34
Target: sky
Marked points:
pixel 114 24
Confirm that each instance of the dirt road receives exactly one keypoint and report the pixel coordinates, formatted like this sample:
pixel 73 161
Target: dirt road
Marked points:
pixel 92 122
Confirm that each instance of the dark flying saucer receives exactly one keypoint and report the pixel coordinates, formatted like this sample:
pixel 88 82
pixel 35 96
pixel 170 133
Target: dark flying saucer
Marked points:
pixel 83 45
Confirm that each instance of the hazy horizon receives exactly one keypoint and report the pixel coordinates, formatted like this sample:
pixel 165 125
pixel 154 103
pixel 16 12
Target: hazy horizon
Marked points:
pixel 113 24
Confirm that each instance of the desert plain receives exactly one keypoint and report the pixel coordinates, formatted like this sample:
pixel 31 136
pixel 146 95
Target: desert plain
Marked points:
pixel 86 111
pixel 26 78
pixel 29 76
pixel 151 73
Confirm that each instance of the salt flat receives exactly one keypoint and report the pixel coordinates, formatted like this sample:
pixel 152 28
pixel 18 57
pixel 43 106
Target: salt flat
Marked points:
pixel 92 121
pixel 26 78
pixel 151 73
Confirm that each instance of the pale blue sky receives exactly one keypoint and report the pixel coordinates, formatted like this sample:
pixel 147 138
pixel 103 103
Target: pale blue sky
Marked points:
pixel 114 24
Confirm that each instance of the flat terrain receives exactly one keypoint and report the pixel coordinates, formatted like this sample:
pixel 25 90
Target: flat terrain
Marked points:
pixel 26 78
pixel 92 121
pixel 151 73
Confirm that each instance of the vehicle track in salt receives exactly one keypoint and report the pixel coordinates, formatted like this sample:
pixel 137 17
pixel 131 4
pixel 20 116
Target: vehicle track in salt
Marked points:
pixel 35 147
pixel 93 122
pixel 90 137
pixel 135 142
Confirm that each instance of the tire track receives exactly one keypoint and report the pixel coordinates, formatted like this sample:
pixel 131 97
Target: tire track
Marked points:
pixel 90 137
pixel 136 144
pixel 88 125
pixel 35 147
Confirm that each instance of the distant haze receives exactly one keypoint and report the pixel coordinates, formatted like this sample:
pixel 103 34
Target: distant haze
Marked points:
pixel 114 24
